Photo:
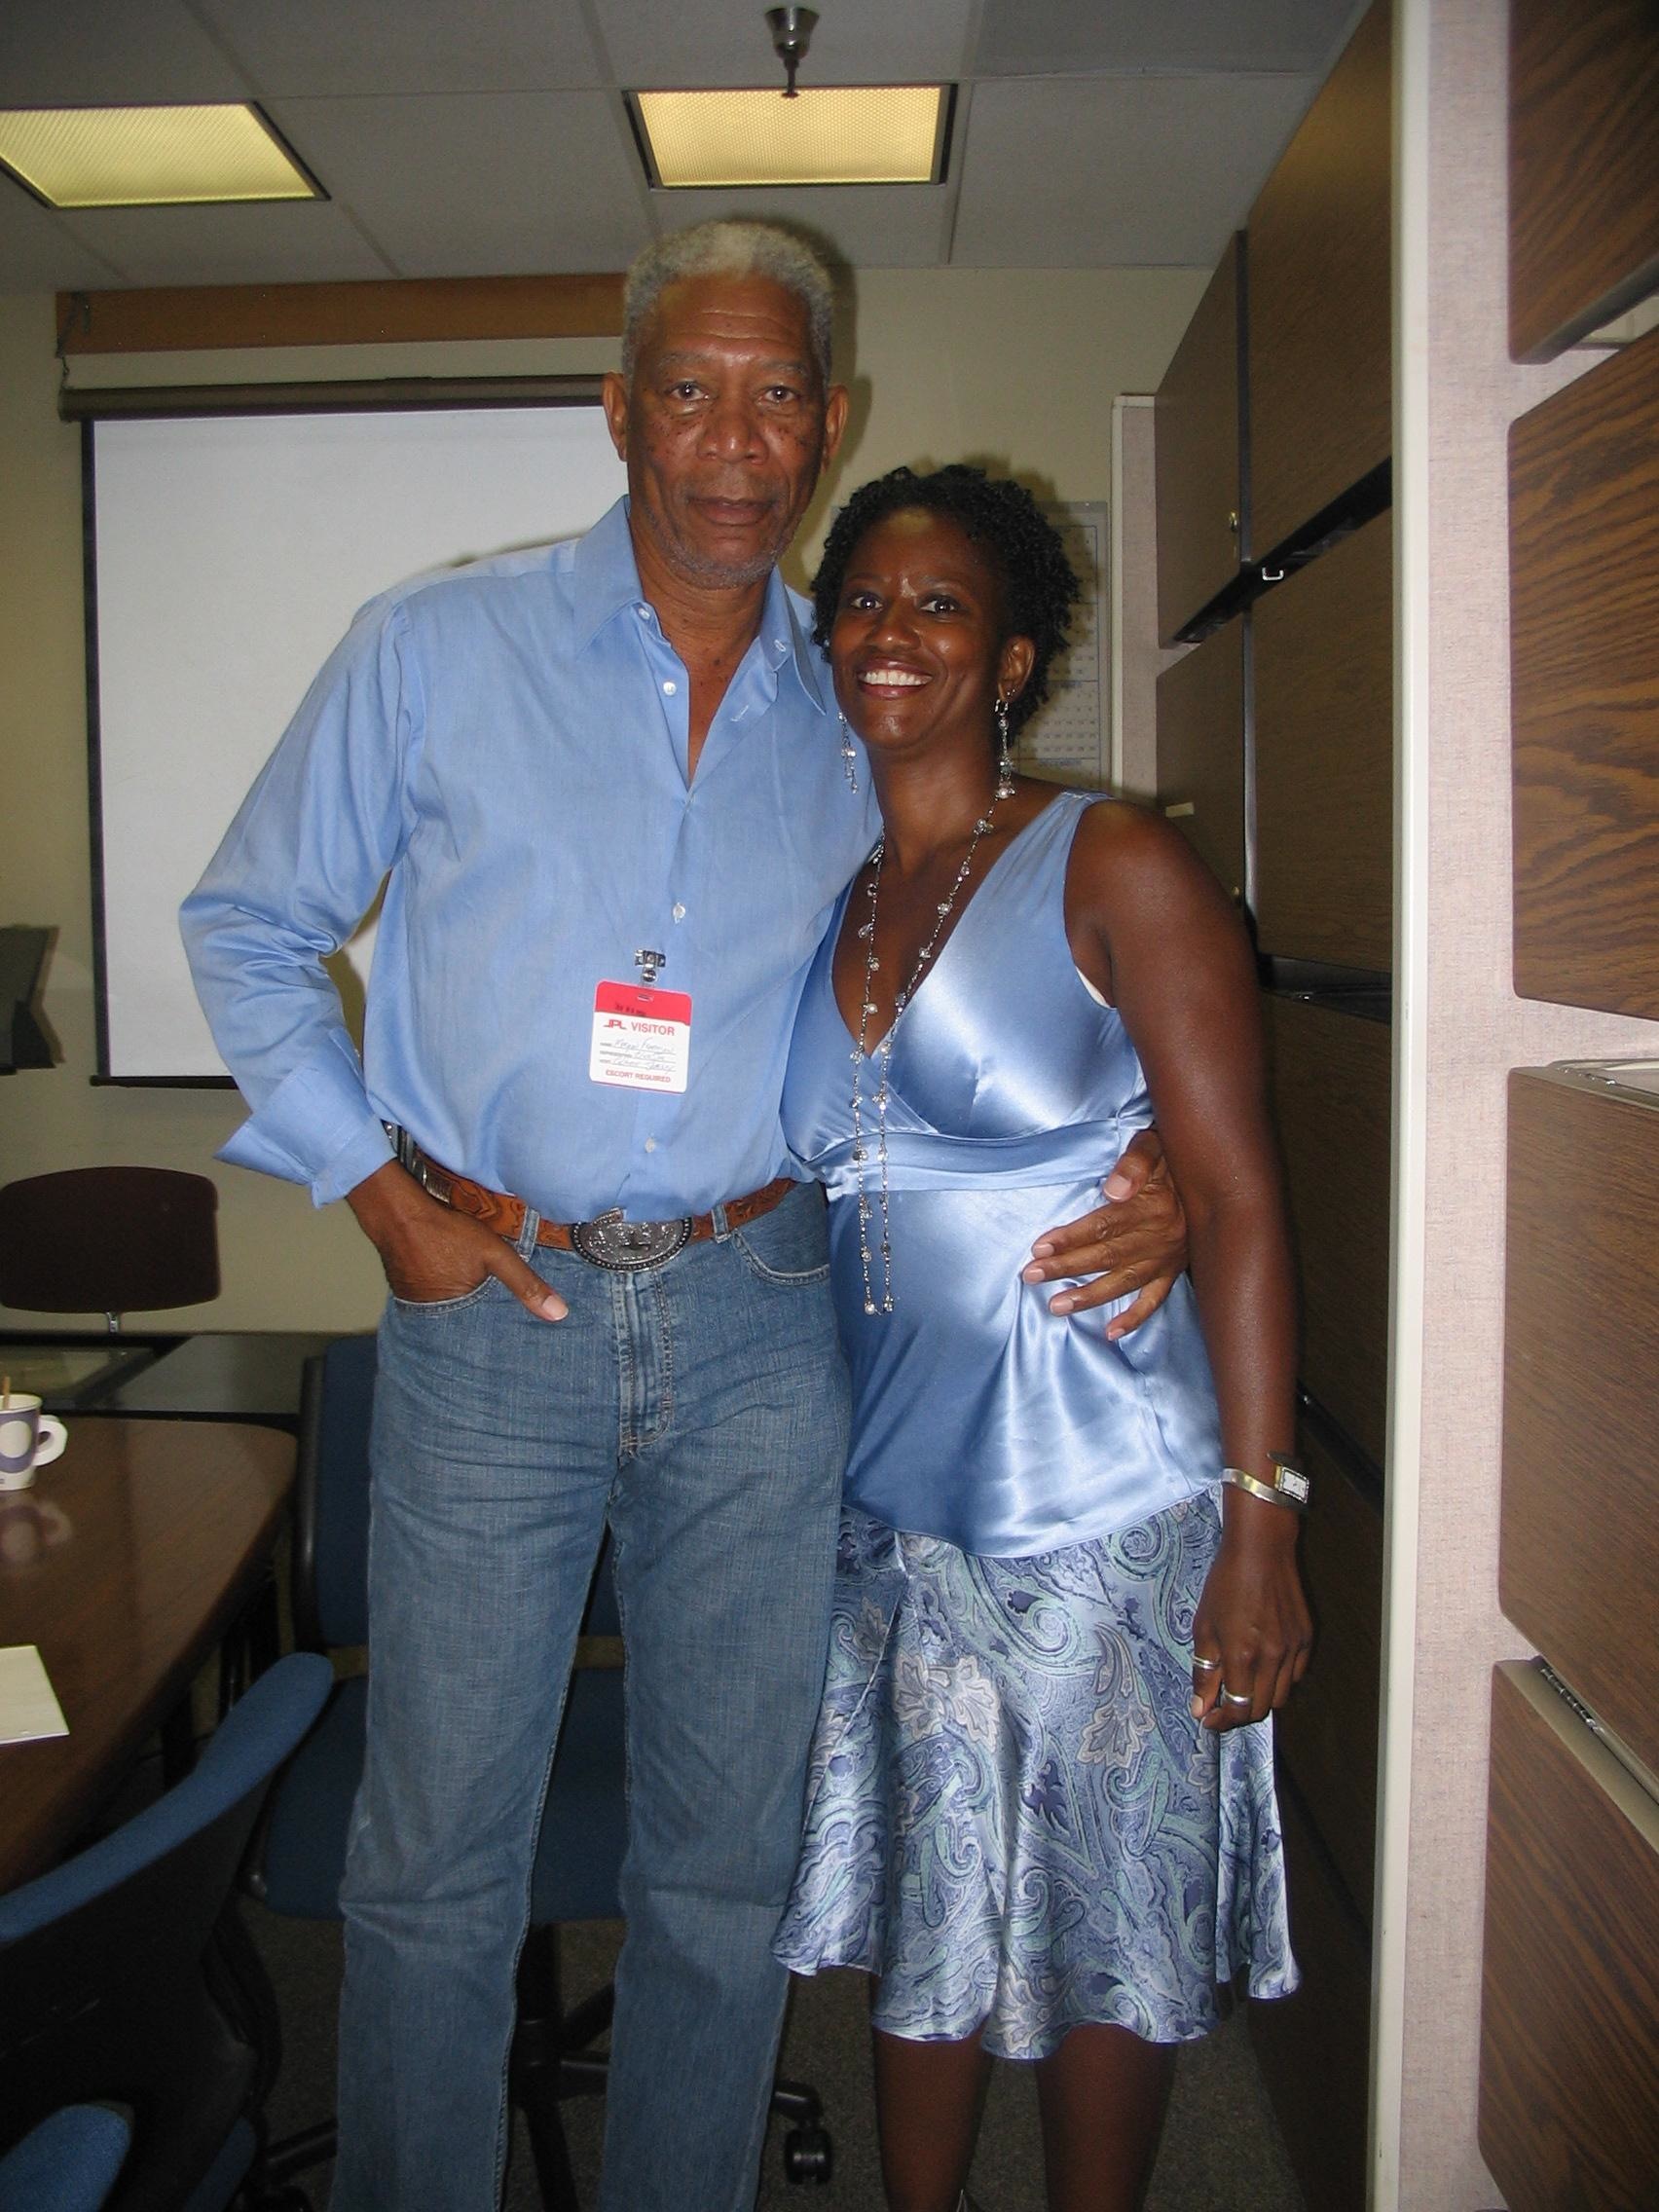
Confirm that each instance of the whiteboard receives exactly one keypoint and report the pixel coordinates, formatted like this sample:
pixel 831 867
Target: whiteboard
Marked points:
pixel 228 555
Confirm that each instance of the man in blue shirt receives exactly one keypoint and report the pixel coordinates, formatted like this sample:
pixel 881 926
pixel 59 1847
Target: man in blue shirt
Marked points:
pixel 614 804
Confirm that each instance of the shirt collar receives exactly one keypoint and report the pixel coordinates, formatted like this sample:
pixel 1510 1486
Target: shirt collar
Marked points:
pixel 607 582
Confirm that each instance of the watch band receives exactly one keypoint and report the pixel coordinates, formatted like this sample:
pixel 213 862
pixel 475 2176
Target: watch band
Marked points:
pixel 1289 1486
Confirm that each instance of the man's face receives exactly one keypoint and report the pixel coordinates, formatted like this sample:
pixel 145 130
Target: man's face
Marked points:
pixel 724 426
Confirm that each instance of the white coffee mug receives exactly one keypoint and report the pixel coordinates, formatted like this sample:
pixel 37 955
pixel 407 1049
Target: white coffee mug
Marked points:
pixel 28 1439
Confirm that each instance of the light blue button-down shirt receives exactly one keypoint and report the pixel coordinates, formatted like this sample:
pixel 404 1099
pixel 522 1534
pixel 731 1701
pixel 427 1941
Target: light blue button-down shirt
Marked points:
pixel 508 745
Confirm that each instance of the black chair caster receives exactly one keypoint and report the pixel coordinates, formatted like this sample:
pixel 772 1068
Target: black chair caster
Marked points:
pixel 808 2156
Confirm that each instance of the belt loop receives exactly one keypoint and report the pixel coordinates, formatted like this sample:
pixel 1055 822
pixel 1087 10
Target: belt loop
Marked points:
pixel 525 1246
pixel 718 1216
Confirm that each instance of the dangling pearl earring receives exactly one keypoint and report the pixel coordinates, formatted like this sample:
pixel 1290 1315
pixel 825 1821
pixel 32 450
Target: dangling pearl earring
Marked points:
pixel 849 759
pixel 1004 752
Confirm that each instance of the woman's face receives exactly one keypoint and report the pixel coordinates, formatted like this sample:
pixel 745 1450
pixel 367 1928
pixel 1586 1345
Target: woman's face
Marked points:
pixel 916 647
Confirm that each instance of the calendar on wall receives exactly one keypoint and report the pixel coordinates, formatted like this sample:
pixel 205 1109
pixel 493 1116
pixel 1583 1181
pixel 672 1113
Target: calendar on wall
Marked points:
pixel 1068 739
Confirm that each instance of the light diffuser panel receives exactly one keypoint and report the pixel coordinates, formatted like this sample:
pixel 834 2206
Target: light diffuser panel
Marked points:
pixel 149 157
pixel 831 135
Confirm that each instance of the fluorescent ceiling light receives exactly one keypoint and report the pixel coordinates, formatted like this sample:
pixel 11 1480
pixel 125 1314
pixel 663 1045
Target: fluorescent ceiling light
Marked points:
pixel 833 134
pixel 149 157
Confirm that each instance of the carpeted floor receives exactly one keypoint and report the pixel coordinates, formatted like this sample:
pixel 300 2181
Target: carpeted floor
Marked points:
pixel 1221 2150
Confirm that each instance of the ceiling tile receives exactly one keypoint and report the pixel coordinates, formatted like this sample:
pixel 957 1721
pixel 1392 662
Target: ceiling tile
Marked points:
pixel 864 226
pixel 40 253
pixel 1027 38
pixel 1103 172
pixel 710 42
pixel 80 53
pixel 310 47
pixel 295 243
pixel 480 184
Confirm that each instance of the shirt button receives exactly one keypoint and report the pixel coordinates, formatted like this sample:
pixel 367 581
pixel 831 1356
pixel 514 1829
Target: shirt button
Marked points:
pixel 679 912
pixel 670 686
pixel 779 645
pixel 650 1144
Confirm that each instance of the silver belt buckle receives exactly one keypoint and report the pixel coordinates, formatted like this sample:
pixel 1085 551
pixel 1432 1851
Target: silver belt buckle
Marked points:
pixel 626 1246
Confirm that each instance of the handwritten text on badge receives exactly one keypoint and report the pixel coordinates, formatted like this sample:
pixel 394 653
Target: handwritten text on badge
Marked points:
pixel 642 1039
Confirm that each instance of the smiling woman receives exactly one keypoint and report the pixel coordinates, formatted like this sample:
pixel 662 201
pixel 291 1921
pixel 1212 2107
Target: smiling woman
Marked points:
pixel 1042 1807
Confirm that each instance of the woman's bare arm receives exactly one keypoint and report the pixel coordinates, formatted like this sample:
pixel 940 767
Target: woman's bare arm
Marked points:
pixel 1151 929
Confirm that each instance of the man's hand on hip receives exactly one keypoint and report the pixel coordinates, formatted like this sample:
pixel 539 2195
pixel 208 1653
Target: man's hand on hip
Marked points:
pixel 1137 1241
pixel 431 1253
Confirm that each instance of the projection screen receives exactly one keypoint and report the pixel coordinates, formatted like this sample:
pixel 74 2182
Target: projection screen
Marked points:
pixel 226 556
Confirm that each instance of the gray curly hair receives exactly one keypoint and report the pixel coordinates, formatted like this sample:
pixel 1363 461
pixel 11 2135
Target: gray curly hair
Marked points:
pixel 729 247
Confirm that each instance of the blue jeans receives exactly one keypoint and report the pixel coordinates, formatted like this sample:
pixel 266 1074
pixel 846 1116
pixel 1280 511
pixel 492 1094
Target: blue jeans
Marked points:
pixel 700 1407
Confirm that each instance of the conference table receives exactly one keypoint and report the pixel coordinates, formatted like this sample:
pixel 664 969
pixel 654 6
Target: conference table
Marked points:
pixel 125 1563
pixel 210 1375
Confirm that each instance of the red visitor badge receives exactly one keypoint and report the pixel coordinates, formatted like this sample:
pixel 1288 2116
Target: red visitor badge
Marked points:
pixel 642 1038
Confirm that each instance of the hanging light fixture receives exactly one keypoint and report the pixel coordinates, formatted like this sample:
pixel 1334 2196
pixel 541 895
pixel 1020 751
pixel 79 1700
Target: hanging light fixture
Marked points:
pixel 826 135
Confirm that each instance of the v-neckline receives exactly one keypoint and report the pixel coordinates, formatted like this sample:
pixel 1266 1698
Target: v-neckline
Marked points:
pixel 870 1050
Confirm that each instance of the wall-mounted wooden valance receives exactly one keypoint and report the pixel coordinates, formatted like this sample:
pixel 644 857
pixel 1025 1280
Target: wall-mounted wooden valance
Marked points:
pixel 189 318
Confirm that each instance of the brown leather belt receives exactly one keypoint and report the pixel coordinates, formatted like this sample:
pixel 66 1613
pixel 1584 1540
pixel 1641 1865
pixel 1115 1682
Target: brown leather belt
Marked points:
pixel 608 1240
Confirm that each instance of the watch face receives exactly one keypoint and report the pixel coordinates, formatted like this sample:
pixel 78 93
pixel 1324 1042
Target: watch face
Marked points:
pixel 1294 1483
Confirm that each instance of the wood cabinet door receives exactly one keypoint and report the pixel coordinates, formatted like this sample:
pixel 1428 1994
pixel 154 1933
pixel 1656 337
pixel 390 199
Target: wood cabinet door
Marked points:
pixel 1578 1546
pixel 1326 1734
pixel 1201 752
pixel 1330 1075
pixel 1584 688
pixel 1313 2048
pixel 1583 166
pixel 1324 752
pixel 1569 1974
pixel 1200 454
pixel 1321 370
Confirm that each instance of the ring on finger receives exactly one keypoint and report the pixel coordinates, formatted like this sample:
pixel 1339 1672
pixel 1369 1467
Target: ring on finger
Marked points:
pixel 1235 1697
pixel 1205 1666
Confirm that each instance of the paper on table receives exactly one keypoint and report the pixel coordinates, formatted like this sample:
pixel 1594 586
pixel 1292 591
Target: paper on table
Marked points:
pixel 28 1704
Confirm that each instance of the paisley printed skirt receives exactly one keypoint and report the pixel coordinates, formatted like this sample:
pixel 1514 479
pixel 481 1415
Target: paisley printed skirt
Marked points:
pixel 1012 1818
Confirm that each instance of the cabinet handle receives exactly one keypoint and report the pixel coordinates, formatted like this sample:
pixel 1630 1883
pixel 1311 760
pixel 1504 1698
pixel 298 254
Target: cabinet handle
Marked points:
pixel 1232 523
pixel 1181 807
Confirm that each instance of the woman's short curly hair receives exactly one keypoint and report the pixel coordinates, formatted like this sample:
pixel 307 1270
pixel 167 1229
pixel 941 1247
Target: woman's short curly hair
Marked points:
pixel 1038 584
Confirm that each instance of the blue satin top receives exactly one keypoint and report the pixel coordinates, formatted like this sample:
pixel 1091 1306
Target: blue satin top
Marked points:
pixel 978 1414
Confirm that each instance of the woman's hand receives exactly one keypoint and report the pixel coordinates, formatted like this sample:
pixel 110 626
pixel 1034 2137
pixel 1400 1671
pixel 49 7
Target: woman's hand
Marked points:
pixel 1252 1623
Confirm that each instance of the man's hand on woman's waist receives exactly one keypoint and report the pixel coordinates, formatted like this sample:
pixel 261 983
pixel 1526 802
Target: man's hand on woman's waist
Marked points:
pixel 1137 1241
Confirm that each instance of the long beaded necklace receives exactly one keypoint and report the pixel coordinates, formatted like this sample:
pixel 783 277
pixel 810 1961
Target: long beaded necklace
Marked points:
pixel 883 1055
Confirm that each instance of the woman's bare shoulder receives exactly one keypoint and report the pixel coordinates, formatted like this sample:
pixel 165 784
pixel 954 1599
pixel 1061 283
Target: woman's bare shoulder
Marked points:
pixel 1124 850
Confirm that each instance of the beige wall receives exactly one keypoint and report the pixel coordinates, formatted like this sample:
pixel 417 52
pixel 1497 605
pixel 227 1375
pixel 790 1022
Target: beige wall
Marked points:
pixel 1019 367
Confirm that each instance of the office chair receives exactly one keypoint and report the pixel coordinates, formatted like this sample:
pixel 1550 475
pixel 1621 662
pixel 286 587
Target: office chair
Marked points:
pixel 301 1852
pixel 125 1978
pixel 68 2163
pixel 108 1240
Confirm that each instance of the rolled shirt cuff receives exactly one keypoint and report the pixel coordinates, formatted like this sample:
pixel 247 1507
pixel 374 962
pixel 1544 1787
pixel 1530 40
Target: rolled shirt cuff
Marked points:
pixel 318 1127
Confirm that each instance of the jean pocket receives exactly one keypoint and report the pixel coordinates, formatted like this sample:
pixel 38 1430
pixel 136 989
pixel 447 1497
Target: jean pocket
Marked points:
pixel 458 1305
pixel 791 1245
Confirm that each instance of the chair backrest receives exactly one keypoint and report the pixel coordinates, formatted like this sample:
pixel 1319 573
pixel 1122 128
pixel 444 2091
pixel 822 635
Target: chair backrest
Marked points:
pixel 109 1989
pixel 108 1240
pixel 331 1505
pixel 331 1495
pixel 68 2163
